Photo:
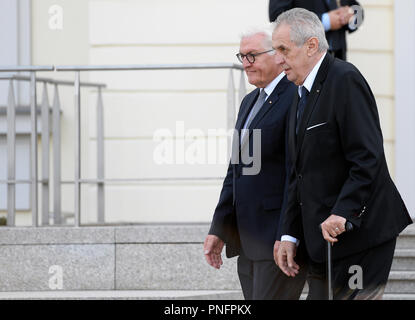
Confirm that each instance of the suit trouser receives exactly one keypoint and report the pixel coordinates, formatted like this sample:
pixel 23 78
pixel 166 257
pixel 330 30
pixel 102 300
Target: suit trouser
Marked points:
pixel 361 276
pixel 263 280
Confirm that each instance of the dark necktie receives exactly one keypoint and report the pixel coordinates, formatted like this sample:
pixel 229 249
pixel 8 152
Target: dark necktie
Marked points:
pixel 300 106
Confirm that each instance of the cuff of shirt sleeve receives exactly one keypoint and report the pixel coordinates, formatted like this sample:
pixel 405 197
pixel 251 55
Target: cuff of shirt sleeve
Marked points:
pixel 325 20
pixel 291 239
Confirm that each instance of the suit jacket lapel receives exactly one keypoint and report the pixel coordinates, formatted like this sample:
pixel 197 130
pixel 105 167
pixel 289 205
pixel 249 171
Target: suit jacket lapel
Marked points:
pixel 268 105
pixel 312 99
pixel 270 102
pixel 247 106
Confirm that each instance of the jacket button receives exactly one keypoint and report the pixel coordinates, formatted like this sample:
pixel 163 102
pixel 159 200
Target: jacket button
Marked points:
pixel 301 204
pixel 300 176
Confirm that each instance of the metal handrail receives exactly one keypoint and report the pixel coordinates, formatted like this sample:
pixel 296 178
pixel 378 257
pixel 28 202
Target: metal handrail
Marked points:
pixel 132 67
pixel 26 68
pixel 100 143
pixel 51 81
pixel 122 67
pixel 115 180
pixel 78 180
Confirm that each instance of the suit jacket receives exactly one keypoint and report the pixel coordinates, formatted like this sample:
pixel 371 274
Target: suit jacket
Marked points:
pixel 249 207
pixel 339 166
pixel 337 38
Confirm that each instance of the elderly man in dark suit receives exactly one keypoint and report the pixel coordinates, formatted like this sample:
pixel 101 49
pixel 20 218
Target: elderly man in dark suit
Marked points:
pixel 339 170
pixel 336 16
pixel 249 209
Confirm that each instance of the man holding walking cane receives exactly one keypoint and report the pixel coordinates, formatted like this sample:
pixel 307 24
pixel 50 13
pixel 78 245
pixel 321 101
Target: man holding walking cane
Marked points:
pixel 339 173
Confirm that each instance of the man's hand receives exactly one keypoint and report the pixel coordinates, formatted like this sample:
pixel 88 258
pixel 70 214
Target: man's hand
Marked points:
pixel 332 227
pixel 285 258
pixel 276 247
pixel 346 13
pixel 213 249
pixel 335 19
pixel 340 17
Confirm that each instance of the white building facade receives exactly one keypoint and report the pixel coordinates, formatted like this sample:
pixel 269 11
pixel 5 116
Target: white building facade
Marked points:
pixel 149 113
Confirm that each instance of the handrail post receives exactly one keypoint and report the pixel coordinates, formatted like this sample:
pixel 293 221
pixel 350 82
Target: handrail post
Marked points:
pixel 11 156
pixel 57 213
pixel 33 140
pixel 242 87
pixel 230 111
pixel 77 117
pixel 100 159
pixel 45 136
pixel 45 155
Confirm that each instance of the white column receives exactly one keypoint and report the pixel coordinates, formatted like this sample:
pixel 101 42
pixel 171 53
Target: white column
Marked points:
pixel 15 44
pixel 405 101
pixel 15 17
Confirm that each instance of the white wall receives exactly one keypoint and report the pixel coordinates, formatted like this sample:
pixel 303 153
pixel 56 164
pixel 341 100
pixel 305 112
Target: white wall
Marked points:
pixel 15 40
pixel 139 103
pixel 371 49
pixel 62 46
pixel 405 97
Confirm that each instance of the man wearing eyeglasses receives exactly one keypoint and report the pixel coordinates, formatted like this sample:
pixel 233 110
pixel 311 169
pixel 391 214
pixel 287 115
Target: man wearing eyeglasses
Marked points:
pixel 249 210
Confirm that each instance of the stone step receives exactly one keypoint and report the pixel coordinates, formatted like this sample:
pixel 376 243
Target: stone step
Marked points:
pixel 406 239
pixel 386 296
pixel 107 258
pixel 124 295
pixel 405 242
pixel 409 230
pixel 401 282
pixel 399 296
pixel 151 295
pixel 404 260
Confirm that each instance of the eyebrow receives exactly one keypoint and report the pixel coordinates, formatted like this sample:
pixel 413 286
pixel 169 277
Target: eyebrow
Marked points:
pixel 249 52
pixel 282 47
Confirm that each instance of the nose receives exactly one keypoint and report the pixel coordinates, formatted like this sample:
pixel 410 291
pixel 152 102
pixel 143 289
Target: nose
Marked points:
pixel 245 62
pixel 279 58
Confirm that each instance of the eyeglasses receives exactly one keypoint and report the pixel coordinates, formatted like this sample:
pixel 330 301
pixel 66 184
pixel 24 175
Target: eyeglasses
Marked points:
pixel 250 56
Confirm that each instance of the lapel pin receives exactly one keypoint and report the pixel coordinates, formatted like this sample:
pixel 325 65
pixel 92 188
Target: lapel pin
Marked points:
pixel 318 91
pixel 270 102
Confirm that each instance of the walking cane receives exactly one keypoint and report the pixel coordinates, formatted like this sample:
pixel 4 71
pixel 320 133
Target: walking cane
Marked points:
pixel 348 227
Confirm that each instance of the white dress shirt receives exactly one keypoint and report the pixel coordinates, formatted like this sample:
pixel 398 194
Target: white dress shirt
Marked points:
pixel 271 86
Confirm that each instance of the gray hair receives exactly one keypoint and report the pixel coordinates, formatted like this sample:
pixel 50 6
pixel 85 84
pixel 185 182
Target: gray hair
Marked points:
pixel 304 25
pixel 266 31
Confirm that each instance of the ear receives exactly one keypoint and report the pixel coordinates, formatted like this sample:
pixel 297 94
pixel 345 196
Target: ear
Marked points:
pixel 312 46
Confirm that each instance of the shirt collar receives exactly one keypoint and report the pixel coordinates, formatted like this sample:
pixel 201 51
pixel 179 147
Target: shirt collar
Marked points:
pixel 309 81
pixel 271 86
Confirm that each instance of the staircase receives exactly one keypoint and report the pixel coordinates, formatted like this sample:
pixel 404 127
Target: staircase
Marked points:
pixel 401 284
pixel 140 262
